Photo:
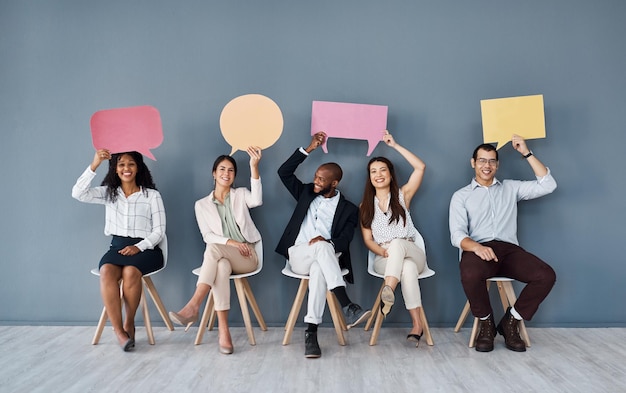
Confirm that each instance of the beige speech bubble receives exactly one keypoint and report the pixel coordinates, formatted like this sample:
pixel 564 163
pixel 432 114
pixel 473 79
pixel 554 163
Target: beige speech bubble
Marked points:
pixel 503 117
pixel 251 120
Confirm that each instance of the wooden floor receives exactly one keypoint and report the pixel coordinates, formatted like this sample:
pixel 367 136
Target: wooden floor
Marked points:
pixel 61 359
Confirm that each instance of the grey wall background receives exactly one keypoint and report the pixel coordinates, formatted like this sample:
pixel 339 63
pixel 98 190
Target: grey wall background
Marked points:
pixel 430 62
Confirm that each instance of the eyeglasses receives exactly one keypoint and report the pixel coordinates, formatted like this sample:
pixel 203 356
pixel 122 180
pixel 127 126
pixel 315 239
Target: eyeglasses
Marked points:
pixel 483 161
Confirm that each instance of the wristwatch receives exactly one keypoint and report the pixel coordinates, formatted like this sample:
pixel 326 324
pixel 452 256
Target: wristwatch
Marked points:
pixel 530 153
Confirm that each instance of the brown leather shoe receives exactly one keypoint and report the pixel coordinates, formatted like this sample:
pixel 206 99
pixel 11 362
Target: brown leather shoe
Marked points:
pixel 486 334
pixel 509 328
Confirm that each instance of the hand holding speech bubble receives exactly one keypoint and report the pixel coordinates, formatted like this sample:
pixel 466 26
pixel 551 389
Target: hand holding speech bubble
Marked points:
pixel 136 128
pixel 503 117
pixel 251 120
pixel 349 121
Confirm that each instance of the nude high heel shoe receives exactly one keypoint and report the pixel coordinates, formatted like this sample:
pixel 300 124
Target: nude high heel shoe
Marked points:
pixel 225 350
pixel 180 320
pixel 387 299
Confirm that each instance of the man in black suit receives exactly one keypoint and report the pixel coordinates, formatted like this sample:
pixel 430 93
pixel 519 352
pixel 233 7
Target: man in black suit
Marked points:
pixel 317 240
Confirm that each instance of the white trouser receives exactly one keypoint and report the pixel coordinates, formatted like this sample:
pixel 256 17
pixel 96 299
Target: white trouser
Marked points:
pixel 405 262
pixel 321 264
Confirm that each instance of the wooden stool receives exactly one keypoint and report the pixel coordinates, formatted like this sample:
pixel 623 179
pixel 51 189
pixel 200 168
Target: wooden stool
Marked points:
pixel 333 305
pixel 149 286
pixel 245 296
pixel 377 316
pixel 507 297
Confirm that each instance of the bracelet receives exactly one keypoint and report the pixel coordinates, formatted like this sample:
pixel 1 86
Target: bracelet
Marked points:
pixel 530 153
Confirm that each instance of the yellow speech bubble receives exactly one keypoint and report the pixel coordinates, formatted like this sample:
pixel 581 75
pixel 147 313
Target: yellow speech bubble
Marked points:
pixel 251 120
pixel 503 117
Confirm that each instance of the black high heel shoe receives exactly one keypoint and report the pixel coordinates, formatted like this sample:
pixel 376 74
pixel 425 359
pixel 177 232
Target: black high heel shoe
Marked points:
pixel 414 338
pixel 129 344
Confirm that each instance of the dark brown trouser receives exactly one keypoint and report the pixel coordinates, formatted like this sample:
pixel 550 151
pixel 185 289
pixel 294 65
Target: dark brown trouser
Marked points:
pixel 513 262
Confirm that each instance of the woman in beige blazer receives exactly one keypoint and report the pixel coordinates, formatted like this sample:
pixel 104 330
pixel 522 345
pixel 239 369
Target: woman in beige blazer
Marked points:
pixel 229 233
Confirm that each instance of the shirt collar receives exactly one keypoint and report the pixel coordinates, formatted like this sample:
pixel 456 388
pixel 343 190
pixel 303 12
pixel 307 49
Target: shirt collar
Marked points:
pixel 226 199
pixel 475 184
pixel 332 198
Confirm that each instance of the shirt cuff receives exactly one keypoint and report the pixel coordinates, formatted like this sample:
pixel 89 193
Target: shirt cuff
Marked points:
pixel 303 151
pixel 141 245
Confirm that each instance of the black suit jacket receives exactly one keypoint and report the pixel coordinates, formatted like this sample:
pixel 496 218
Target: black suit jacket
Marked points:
pixel 344 222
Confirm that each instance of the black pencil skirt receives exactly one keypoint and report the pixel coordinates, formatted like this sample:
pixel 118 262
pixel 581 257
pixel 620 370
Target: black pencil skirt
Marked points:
pixel 147 261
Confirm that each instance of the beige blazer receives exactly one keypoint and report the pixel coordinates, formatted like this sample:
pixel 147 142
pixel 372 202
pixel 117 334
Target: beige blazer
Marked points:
pixel 241 200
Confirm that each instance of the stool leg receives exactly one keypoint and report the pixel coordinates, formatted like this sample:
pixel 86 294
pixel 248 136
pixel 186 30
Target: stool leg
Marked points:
pixel 462 317
pixel 253 304
pixel 511 298
pixel 503 296
pixel 427 335
pixel 472 340
pixel 244 310
pixel 378 323
pixel 295 310
pixel 212 315
pixel 101 323
pixel 335 314
pixel 375 309
pixel 146 317
pixel 158 302
pixel 340 316
pixel 208 311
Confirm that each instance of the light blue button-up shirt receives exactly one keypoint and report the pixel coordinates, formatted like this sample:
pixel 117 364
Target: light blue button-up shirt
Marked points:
pixel 319 219
pixel 490 213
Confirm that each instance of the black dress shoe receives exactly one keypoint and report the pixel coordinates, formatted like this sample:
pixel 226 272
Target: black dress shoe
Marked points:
pixel 354 314
pixel 486 335
pixel 509 328
pixel 311 347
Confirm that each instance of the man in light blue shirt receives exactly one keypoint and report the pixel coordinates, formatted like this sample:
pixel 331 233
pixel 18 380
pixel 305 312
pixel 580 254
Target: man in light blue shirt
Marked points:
pixel 483 225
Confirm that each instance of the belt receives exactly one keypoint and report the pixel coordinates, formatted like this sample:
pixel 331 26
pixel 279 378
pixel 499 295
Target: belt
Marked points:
pixel 411 239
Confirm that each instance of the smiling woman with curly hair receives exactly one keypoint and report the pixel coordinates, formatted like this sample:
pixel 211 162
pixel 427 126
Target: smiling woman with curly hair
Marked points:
pixel 135 218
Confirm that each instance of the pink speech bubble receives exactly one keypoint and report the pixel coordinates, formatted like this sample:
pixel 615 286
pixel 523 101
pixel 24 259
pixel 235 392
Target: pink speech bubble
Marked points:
pixel 349 121
pixel 136 128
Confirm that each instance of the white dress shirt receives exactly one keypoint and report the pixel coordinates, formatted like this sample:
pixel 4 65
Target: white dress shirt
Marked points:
pixel 140 215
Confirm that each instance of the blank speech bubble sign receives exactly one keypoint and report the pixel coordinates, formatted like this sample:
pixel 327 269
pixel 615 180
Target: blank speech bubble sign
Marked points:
pixel 136 128
pixel 503 117
pixel 349 121
pixel 251 120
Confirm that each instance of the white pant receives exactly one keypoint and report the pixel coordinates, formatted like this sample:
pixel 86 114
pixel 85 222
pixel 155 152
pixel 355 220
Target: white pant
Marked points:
pixel 321 264
pixel 405 262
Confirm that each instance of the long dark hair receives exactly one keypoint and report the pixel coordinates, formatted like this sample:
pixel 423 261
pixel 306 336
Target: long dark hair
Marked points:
pixel 367 204
pixel 112 180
